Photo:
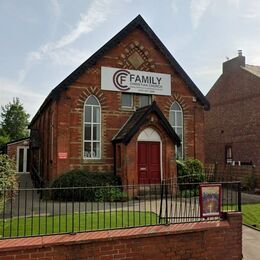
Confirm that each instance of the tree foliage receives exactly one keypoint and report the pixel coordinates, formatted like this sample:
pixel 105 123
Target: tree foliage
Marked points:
pixel 4 138
pixel 8 180
pixel 14 121
pixel 7 172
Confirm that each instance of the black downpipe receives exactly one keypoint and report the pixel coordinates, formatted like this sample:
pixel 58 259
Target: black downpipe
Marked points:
pixel 114 146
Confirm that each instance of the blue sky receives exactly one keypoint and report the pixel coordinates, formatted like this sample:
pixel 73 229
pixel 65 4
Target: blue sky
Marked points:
pixel 42 41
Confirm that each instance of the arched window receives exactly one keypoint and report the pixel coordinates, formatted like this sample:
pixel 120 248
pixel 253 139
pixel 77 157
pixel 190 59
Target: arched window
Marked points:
pixel 176 121
pixel 92 129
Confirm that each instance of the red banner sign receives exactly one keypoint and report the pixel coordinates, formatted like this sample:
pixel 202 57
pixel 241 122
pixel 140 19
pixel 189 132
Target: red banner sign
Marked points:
pixel 63 155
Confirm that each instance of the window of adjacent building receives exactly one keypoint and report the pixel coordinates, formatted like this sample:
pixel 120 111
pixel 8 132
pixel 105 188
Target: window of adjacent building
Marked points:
pixel 145 100
pixel 127 100
pixel 92 128
pixel 228 154
pixel 176 121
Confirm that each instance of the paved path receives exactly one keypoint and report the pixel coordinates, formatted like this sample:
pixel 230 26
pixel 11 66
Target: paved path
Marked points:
pixel 251 237
pixel 250 198
pixel 251 244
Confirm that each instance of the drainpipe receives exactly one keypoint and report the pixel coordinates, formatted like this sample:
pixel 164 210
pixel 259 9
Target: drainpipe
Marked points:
pixel 194 123
pixel 114 148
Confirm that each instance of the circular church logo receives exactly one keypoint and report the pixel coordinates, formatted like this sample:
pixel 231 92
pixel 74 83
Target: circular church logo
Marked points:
pixel 120 79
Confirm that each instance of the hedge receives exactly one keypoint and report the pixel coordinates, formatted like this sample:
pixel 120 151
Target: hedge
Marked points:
pixel 93 186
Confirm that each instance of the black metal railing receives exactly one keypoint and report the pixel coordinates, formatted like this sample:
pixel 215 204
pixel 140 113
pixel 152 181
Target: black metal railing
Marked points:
pixel 23 212
pixel 180 202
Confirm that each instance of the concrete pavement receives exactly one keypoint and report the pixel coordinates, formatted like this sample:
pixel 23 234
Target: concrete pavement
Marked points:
pixel 251 243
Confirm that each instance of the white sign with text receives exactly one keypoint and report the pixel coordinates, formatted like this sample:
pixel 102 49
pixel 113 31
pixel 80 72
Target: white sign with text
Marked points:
pixel 135 81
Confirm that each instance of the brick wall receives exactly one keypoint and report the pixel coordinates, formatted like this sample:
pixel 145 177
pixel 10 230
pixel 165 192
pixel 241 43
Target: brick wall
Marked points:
pixel 234 115
pixel 12 149
pixel 68 110
pixel 205 240
pixel 238 173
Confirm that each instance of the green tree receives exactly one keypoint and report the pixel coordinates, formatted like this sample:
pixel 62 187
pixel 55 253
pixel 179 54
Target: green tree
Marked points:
pixel 7 179
pixel 14 121
pixel 4 138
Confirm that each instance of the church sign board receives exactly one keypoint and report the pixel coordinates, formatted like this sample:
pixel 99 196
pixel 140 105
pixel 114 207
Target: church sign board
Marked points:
pixel 210 200
pixel 135 81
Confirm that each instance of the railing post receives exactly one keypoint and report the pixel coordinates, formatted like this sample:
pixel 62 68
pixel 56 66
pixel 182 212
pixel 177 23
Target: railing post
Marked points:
pixel 161 202
pixel 239 196
pixel 73 188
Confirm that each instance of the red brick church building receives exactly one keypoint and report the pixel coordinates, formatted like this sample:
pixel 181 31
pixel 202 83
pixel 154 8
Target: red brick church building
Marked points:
pixel 130 109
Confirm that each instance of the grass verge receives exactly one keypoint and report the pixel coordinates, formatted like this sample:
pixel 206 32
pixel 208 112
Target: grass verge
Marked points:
pixel 77 222
pixel 251 214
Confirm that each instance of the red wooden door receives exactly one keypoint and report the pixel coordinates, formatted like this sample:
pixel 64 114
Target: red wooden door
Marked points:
pixel 149 169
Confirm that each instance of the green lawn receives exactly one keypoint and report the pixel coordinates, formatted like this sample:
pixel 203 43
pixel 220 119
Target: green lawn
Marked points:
pixel 97 221
pixel 251 214
pixel 82 222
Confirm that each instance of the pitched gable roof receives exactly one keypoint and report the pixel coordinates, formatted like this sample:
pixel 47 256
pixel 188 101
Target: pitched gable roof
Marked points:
pixel 138 118
pixel 18 140
pixel 252 69
pixel 138 22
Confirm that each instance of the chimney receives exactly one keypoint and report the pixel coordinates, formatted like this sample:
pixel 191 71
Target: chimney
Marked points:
pixel 235 63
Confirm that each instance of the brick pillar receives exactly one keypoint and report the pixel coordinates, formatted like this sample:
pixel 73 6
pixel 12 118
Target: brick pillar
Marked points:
pixel 235 236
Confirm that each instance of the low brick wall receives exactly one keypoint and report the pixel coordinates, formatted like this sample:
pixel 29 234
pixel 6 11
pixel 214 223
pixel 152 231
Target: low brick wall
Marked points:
pixel 205 240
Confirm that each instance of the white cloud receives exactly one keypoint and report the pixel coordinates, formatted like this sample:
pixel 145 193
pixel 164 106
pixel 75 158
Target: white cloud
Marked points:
pixel 97 13
pixel 68 56
pixel 235 3
pixel 11 89
pixel 252 51
pixel 197 10
pixel 252 10
pixel 56 8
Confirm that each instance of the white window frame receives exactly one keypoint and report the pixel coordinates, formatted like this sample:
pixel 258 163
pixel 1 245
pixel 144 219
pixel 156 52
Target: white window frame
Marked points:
pixel 91 141
pixel 179 127
pixel 149 99
pixel 132 100
pixel 25 156
pixel 228 154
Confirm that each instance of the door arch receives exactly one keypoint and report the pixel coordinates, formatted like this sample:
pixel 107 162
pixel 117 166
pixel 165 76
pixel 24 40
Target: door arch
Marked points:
pixel 149 150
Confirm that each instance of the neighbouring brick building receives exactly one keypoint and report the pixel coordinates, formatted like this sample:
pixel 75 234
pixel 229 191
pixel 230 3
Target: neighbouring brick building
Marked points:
pixel 123 111
pixel 232 136
pixel 18 150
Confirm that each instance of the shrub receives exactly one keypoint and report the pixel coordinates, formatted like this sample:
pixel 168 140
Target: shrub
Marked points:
pixel 110 194
pixel 187 193
pixel 249 182
pixel 80 178
pixel 97 187
pixel 190 171
pixel 7 172
pixel 7 177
